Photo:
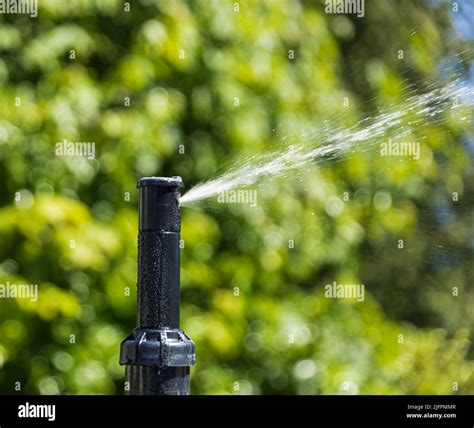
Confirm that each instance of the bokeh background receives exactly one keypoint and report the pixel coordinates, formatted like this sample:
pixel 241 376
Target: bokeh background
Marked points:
pixel 254 305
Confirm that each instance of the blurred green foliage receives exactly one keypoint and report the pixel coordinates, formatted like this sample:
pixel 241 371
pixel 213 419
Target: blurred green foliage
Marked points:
pixel 254 306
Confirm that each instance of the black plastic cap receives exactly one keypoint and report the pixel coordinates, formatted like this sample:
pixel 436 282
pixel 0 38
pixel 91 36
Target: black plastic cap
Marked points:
pixel 159 203
pixel 175 181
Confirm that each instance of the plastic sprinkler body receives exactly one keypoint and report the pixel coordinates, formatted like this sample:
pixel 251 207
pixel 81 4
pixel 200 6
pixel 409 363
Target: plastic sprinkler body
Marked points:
pixel 157 354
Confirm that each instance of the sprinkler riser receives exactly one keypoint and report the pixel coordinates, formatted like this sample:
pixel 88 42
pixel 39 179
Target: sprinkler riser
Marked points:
pixel 158 355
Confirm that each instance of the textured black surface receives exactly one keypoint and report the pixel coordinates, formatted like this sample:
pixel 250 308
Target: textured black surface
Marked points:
pixel 158 279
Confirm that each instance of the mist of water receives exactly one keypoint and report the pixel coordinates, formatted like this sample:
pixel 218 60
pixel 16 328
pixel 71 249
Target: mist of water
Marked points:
pixel 317 144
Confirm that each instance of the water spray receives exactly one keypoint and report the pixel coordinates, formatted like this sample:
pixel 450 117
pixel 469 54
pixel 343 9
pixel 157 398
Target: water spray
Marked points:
pixel 316 145
pixel 157 354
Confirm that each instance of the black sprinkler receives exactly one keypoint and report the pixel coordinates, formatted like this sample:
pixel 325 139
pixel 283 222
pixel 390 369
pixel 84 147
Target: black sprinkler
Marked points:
pixel 158 355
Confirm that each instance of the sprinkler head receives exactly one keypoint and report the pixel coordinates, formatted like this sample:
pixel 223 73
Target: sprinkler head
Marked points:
pixel 174 181
pixel 159 203
pixel 158 354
